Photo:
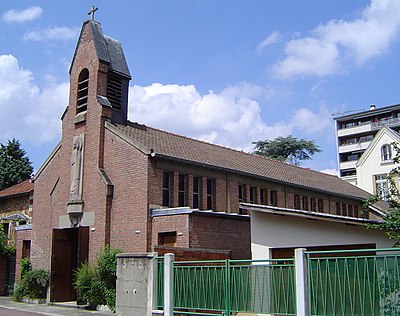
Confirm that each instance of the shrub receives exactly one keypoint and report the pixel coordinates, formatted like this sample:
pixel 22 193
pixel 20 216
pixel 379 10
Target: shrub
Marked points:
pixel 95 283
pixel 25 266
pixel 33 285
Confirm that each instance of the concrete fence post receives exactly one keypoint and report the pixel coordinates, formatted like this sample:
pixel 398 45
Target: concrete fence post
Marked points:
pixel 135 284
pixel 300 263
pixel 168 284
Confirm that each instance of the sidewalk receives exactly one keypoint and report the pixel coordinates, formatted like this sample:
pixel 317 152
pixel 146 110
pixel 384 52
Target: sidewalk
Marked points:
pixel 45 309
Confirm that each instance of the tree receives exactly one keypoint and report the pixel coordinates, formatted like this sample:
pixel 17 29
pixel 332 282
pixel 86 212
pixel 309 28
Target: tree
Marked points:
pixel 391 218
pixel 288 149
pixel 15 166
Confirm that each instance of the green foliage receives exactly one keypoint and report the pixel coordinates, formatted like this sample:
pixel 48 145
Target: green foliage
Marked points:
pixel 391 219
pixel 15 166
pixel 96 283
pixel 5 249
pixel 33 285
pixel 286 149
pixel 25 266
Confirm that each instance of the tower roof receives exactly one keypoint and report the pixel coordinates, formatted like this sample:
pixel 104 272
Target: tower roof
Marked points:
pixel 108 50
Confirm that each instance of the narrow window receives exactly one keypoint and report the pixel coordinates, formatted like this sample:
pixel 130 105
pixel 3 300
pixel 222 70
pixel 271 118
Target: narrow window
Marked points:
pixel 82 94
pixel 350 210
pixel 181 190
pixel 304 203
pixel 196 192
pixel 313 204
pixel 253 195
pixel 166 188
pixel 320 205
pixel 381 186
pixel 114 88
pixel 210 194
pixel 344 209
pixel 338 211
pixel 386 152
pixel 26 249
pixel 356 211
pixel 274 198
pixel 263 196
pixel 241 192
pixel 296 202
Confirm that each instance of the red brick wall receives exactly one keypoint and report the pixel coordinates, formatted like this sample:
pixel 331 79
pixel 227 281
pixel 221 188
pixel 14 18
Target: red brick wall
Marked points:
pixel 178 223
pixel 20 237
pixel 128 169
pixel 183 254
pixel 221 232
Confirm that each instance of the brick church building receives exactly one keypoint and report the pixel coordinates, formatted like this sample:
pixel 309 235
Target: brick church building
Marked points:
pixel 114 182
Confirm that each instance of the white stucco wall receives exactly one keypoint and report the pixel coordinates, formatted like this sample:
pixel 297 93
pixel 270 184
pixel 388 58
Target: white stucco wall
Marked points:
pixel 372 164
pixel 275 231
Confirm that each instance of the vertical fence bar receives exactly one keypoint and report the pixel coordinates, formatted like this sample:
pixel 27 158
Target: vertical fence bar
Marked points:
pixel 169 284
pixel 300 263
pixel 227 288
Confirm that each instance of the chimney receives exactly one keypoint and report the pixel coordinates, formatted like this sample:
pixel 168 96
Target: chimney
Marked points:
pixel 372 107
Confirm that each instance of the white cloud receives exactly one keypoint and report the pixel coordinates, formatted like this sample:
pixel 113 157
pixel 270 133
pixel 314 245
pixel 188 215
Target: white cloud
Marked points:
pixel 231 118
pixel 23 15
pixel 333 172
pixel 53 34
pixel 27 112
pixel 273 38
pixel 337 42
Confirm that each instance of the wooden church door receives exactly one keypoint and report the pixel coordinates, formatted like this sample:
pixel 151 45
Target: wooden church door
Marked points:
pixel 70 248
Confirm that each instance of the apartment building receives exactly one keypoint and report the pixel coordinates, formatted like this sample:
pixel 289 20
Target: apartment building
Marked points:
pixel 355 133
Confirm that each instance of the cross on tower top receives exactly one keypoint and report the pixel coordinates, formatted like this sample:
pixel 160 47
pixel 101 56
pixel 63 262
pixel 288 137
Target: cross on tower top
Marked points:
pixel 92 11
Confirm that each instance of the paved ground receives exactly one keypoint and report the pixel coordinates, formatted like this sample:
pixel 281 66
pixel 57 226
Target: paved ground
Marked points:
pixel 11 308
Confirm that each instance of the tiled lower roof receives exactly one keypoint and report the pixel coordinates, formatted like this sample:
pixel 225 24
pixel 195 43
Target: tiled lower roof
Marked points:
pixel 24 187
pixel 172 146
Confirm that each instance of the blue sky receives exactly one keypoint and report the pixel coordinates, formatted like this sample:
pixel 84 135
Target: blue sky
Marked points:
pixel 228 72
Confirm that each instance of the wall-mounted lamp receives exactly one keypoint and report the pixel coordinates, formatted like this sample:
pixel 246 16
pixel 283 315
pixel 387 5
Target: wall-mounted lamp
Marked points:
pixel 137 231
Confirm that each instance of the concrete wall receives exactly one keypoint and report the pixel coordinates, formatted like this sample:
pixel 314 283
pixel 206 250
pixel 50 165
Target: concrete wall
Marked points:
pixel 275 231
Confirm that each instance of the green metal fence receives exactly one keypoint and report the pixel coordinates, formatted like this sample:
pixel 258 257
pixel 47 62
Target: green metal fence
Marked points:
pixel 354 282
pixel 225 287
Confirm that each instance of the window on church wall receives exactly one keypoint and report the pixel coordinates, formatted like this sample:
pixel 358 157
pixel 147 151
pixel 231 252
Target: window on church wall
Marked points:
pixel 338 209
pixel 274 198
pixel 253 195
pixel 386 152
pixel 181 190
pixel 263 196
pixel 320 205
pixel 196 192
pixel 167 239
pixel 344 209
pixel 350 210
pixel 356 214
pixel 313 204
pixel 83 89
pixel 26 249
pixel 166 199
pixel 210 193
pixel 241 188
pixel 304 203
pixel 114 88
pixel 296 202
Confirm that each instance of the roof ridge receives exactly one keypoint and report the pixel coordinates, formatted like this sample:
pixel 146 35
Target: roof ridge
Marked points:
pixel 229 148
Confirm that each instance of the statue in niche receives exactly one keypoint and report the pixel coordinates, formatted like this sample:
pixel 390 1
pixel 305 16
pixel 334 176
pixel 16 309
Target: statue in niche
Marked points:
pixel 76 167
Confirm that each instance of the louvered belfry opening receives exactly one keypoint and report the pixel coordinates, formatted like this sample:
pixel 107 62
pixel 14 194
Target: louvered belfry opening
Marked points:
pixel 114 90
pixel 83 87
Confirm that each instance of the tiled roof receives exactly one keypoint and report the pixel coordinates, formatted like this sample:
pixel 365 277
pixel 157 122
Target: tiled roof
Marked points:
pixel 24 187
pixel 172 146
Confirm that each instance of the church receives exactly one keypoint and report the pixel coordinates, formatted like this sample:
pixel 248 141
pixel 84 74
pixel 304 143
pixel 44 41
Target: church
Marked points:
pixel 113 182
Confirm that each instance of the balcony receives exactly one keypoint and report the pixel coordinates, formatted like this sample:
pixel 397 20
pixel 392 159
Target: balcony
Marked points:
pixel 385 122
pixel 353 147
pixel 354 130
pixel 348 165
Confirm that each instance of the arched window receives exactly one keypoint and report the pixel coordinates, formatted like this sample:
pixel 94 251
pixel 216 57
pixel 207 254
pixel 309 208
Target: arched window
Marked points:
pixel 83 87
pixel 386 152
